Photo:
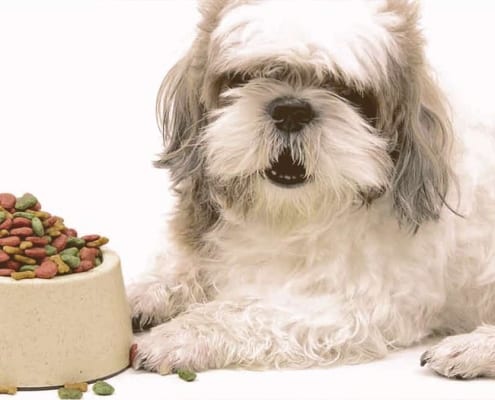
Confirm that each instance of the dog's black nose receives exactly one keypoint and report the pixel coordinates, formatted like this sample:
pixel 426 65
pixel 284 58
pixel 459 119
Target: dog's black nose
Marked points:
pixel 289 114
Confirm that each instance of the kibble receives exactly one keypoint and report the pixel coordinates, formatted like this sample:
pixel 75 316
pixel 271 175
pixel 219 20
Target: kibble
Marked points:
pixel 25 244
pixel 37 226
pixel 10 241
pixel 186 375
pixel 12 250
pixel 8 389
pixel 65 393
pixel 35 243
pixel 62 267
pixel 27 268
pixel 48 269
pixel 81 386
pixel 24 259
pixel 23 275
pixel 26 201
pixel 7 200
pixel 71 261
pixel 102 388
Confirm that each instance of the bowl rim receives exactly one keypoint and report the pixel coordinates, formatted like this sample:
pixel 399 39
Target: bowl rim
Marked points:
pixel 110 260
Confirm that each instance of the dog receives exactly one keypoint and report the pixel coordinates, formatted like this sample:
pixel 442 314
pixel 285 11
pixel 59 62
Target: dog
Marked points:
pixel 334 203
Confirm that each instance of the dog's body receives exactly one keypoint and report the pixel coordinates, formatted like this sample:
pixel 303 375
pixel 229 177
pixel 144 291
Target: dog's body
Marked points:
pixel 386 240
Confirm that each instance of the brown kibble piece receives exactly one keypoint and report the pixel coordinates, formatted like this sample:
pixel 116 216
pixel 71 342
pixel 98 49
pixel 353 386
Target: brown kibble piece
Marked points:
pixel 81 386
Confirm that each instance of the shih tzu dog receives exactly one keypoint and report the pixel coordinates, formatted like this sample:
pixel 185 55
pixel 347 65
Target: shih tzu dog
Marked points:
pixel 332 207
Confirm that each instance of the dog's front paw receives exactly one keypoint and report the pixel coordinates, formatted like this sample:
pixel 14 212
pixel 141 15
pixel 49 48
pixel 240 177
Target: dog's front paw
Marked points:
pixel 463 356
pixel 149 304
pixel 168 347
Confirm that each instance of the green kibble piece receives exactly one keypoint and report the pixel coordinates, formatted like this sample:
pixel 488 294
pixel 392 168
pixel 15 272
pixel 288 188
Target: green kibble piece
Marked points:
pixel 73 251
pixel 28 268
pixel 186 375
pixel 50 250
pixel 3 216
pixel 101 388
pixel 23 215
pixel 71 261
pixel 97 261
pixel 64 393
pixel 37 226
pixel 75 242
pixel 26 201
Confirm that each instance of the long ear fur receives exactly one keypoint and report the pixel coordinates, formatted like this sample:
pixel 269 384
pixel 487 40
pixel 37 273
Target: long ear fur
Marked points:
pixel 179 110
pixel 422 156
pixel 180 115
pixel 422 131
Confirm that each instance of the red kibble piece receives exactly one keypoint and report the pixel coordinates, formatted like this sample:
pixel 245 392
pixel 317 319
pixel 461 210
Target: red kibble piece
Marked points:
pixel 88 254
pixel 6 271
pixel 86 265
pixel 21 232
pixel 19 222
pixel 12 264
pixel 90 238
pixel 12 241
pixel 60 242
pixel 70 232
pixel 35 252
pixel 49 222
pixel 38 241
pixel 4 256
pixel 47 269
pixel 37 206
pixel 7 224
pixel 7 200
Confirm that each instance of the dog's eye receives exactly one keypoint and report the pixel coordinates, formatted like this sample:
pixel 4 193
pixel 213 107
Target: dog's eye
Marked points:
pixel 362 100
pixel 237 80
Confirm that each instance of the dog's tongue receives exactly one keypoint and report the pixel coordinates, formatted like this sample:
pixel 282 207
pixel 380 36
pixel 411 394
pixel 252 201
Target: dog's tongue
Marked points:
pixel 286 171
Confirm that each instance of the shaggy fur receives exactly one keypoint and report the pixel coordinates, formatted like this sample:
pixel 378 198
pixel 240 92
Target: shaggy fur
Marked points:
pixel 389 240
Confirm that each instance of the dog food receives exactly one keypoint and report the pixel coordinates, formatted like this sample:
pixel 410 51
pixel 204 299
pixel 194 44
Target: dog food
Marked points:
pixel 81 386
pixel 65 393
pixel 37 244
pixel 102 388
pixel 186 375
pixel 8 390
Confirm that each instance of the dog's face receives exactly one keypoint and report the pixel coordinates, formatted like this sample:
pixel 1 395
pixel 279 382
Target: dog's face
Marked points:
pixel 293 110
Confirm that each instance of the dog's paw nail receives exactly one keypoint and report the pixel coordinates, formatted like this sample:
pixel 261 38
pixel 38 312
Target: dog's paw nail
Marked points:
pixel 425 357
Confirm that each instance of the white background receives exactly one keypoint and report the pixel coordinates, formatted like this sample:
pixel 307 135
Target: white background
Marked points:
pixel 77 128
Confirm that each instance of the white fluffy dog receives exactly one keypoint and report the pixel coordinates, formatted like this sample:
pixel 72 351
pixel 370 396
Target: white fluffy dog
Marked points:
pixel 331 207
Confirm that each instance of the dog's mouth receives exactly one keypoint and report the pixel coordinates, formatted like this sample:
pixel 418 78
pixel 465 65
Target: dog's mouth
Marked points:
pixel 285 171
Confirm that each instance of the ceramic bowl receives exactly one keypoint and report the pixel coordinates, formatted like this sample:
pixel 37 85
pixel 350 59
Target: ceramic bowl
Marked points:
pixel 74 328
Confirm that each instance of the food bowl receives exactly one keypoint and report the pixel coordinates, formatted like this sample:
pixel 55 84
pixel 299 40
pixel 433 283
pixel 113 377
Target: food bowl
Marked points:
pixel 74 328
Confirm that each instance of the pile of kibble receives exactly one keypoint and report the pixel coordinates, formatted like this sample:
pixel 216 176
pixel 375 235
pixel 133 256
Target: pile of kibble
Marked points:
pixel 37 244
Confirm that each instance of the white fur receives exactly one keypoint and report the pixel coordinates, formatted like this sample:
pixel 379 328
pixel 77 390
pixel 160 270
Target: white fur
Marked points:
pixel 308 277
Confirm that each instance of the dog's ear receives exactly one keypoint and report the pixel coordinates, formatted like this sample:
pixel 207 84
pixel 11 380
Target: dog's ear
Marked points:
pixel 180 116
pixel 422 155
pixel 180 112
pixel 420 125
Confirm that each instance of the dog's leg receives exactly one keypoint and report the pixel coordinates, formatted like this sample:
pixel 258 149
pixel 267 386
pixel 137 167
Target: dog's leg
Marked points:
pixel 256 335
pixel 164 293
pixel 464 356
